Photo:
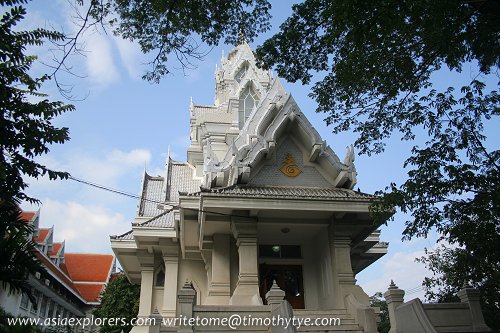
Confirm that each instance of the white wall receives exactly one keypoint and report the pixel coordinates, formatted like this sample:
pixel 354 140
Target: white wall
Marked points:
pixel 193 270
pixel 10 302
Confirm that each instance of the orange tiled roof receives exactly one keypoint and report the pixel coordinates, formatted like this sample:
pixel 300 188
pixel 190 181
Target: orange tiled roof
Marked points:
pixel 88 267
pixel 48 264
pixel 42 235
pixel 91 269
pixel 90 292
pixel 55 249
pixel 28 216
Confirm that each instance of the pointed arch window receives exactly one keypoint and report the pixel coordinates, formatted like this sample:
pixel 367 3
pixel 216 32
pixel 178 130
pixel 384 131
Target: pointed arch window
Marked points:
pixel 160 278
pixel 248 101
pixel 240 74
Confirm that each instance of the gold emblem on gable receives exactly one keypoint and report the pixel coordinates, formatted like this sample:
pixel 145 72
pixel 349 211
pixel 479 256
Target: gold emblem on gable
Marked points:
pixel 289 167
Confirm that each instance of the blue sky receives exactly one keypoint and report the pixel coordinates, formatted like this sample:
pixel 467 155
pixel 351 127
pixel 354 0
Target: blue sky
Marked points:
pixel 124 124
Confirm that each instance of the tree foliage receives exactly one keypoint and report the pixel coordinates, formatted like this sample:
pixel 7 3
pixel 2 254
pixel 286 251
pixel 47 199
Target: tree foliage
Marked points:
pixel 119 300
pixel 17 260
pixel 26 132
pixel 174 30
pixel 454 268
pixel 376 61
pixel 377 300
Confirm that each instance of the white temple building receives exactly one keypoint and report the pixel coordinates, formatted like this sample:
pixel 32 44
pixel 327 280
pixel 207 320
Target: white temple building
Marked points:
pixel 262 198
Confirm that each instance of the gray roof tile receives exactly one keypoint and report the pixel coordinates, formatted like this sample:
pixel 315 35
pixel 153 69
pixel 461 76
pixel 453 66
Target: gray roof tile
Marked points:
pixel 152 195
pixel 163 220
pixel 180 179
pixel 314 193
pixel 206 113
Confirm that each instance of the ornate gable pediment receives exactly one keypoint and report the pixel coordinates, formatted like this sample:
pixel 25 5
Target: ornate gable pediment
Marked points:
pixel 278 122
pixel 288 167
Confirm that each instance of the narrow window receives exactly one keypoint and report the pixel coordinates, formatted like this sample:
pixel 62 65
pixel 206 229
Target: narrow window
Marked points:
pixel 43 306
pixel 24 302
pixel 52 305
pixel 248 101
pixel 34 306
pixel 160 278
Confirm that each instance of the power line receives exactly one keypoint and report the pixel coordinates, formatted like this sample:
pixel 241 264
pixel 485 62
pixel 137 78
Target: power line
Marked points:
pixel 112 190
pixel 135 196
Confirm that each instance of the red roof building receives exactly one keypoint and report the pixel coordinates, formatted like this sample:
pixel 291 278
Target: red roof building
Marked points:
pixel 43 236
pixel 72 283
pixel 28 216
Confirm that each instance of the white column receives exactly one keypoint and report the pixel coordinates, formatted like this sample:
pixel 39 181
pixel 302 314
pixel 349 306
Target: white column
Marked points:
pixel 247 288
pixel 147 274
pixel 171 261
pixel 343 277
pixel 219 289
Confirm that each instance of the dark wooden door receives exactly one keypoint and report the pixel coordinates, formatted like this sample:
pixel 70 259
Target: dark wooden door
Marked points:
pixel 288 278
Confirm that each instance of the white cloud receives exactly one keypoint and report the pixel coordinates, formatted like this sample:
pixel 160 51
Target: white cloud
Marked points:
pixel 107 169
pixel 99 60
pixel 130 55
pixel 85 216
pixel 85 228
pixel 116 168
pixel 402 269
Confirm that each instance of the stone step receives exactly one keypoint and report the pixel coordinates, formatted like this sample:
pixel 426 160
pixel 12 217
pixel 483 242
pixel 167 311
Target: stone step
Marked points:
pixel 322 312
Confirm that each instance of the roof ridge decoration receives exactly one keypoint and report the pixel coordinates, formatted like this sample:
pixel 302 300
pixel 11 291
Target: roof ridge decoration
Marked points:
pixel 167 172
pixel 122 236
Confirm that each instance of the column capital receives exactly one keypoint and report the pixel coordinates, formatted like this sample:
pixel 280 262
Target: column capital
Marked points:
pixel 341 241
pixel 147 268
pixel 244 228
pixel 170 258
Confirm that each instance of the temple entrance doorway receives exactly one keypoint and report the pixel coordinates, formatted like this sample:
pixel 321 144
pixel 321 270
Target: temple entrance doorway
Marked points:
pixel 288 278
